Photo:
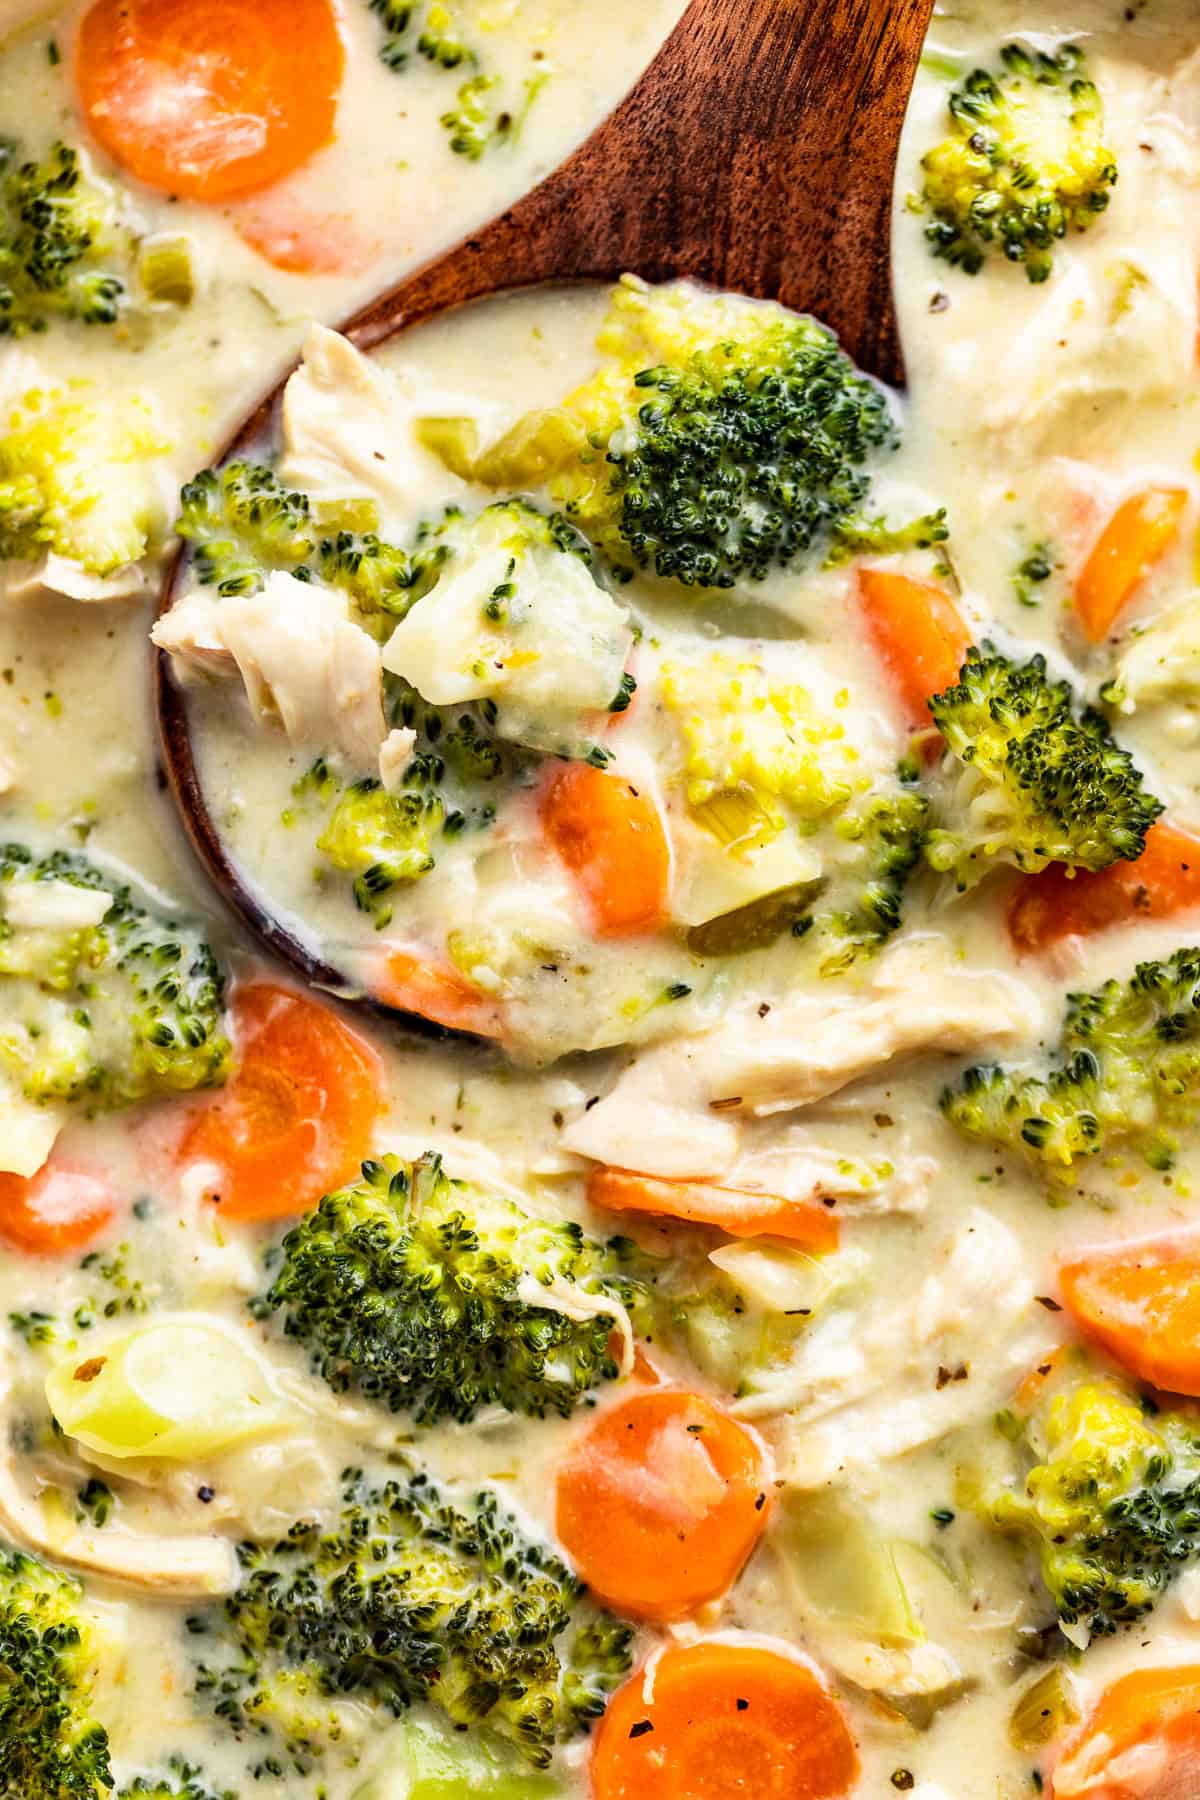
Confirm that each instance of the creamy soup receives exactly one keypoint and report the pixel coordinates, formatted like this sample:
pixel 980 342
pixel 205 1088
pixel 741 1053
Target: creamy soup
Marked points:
pixel 782 792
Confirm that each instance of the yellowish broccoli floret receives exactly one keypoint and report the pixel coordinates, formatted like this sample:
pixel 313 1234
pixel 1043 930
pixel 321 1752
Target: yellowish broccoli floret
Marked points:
pixel 78 477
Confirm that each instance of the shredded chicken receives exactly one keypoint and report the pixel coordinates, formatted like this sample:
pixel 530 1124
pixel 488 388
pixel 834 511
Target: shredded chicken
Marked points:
pixel 395 755
pixel 54 576
pixel 27 1131
pixel 303 660
pixel 345 430
pixel 924 1669
pixel 192 1567
pixel 53 905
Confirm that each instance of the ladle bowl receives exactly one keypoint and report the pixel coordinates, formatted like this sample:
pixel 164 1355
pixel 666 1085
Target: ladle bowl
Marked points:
pixel 757 153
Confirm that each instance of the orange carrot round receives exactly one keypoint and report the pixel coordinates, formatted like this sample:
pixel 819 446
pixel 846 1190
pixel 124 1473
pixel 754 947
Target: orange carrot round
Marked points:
pixel 661 1501
pixel 1163 881
pixel 1138 536
pixel 59 1210
pixel 917 634
pixel 741 1212
pixel 610 836
pixel 207 99
pixel 297 1118
pixel 1151 1715
pixel 437 992
pixel 1141 1301
pixel 724 1720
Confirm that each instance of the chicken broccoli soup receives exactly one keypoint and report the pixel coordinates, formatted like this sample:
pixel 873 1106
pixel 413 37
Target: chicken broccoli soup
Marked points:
pixel 740 1339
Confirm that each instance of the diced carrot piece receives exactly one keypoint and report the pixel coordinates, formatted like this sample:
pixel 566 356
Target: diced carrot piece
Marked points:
pixel 918 635
pixel 1141 1740
pixel 437 992
pixel 297 1118
pixel 305 243
pixel 724 1720
pixel 742 1212
pixel 1033 1386
pixel 1141 1301
pixel 688 1485
pixel 1162 881
pixel 208 99
pixel 611 838
pixel 1138 536
pixel 57 1211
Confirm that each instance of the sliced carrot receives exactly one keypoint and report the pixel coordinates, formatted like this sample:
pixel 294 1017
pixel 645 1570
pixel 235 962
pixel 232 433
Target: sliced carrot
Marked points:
pixel 742 1212
pixel 297 1118
pixel 209 99
pixel 305 243
pixel 58 1210
pixel 724 1720
pixel 1137 536
pixel 1032 1387
pixel 1163 881
pixel 918 635
pixel 439 993
pixel 1141 1301
pixel 611 838
pixel 661 1501
pixel 1141 1740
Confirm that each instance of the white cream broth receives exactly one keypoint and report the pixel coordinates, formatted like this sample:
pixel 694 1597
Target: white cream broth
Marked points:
pixel 874 1373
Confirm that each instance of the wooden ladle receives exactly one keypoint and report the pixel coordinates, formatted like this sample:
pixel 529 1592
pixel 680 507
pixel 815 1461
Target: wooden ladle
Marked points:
pixel 757 154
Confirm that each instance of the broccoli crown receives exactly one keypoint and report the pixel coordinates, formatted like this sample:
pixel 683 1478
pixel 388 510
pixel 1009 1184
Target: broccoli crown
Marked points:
pixel 1126 1070
pixel 434 26
pixel 113 1013
pixel 1025 162
pixel 56 227
pixel 50 1749
pixel 437 1297
pixel 181 1781
pixel 383 840
pixel 410 1599
pixel 78 478
pixel 242 522
pixel 379 577
pixel 721 438
pixel 1112 1504
pixel 888 833
pixel 1039 782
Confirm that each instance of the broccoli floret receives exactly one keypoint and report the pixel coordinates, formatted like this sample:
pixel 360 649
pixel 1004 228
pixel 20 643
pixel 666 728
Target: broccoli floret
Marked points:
pixel 181 1781
pixel 435 27
pixel 439 1298
pixel 78 477
pixel 380 578
pixel 50 1746
pixel 1125 1071
pixel 243 523
pixel 720 439
pixel 383 840
pixel 1037 780
pixel 1025 163
pixel 58 225
pixel 888 832
pixel 116 1012
pixel 410 1599
pixel 1112 1504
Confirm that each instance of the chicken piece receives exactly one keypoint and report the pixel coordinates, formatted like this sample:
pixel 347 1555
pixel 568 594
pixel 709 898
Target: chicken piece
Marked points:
pixel 861 1391
pixel 27 1131
pixel 395 755
pixel 346 431
pixel 183 1568
pixel 53 905
pixel 57 577
pixel 304 662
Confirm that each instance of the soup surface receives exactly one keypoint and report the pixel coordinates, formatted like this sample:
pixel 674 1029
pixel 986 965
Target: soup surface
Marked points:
pixel 757 1354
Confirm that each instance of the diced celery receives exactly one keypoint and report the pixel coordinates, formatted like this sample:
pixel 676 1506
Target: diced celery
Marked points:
pixel 165 269
pixel 1043 1710
pixel 454 441
pixel 179 1388
pixel 844 1569
pixel 428 1761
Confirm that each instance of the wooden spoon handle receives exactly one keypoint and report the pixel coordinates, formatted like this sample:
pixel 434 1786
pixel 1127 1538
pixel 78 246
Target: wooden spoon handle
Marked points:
pixel 756 153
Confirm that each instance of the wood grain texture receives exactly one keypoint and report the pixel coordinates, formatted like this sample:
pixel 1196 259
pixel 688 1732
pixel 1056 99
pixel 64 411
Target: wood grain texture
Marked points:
pixel 757 153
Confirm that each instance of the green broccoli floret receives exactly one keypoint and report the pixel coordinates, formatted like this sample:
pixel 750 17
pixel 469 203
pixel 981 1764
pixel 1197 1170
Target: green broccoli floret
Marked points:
pixel 436 27
pixel 243 523
pixel 78 477
pixel 58 225
pixel 889 833
pixel 383 840
pixel 182 1781
pixel 380 578
pixel 439 1298
pixel 50 1746
pixel 1125 1072
pixel 116 1012
pixel 1112 1504
pixel 1025 163
pixel 721 438
pixel 1037 780
pixel 409 1599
